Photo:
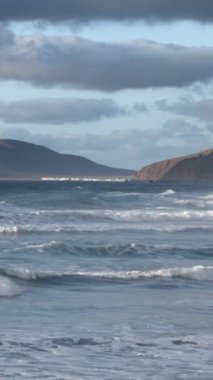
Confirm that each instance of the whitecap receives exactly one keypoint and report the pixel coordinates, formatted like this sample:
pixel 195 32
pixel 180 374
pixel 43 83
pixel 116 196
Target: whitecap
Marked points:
pixel 8 288
pixel 208 196
pixel 197 272
pixel 83 179
pixel 131 224
pixel 168 192
pixel 22 273
pixel 8 229
pixel 41 246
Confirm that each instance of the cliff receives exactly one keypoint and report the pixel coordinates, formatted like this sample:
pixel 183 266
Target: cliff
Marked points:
pixel 195 167
pixel 21 160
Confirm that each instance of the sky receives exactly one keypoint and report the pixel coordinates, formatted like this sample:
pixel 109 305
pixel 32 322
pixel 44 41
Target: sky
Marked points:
pixel 124 83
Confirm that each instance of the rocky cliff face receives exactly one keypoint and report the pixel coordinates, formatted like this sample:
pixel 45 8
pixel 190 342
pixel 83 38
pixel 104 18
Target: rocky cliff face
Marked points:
pixel 21 160
pixel 195 167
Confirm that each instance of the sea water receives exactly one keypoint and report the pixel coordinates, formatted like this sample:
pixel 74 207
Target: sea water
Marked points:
pixel 106 280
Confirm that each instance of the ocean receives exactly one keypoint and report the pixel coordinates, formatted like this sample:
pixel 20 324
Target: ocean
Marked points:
pixel 106 280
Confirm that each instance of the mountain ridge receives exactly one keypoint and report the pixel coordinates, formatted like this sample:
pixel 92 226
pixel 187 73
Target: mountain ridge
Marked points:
pixel 193 167
pixel 23 160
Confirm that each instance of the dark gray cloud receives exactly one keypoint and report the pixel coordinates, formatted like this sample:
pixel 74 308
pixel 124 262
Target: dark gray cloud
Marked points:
pixel 87 10
pixel 200 109
pixel 83 64
pixel 59 111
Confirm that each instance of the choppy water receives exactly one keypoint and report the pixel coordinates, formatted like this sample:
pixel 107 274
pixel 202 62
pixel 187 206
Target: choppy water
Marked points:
pixel 106 280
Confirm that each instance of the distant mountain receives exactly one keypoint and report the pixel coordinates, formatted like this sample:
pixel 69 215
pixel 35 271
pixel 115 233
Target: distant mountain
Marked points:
pixel 195 167
pixel 21 160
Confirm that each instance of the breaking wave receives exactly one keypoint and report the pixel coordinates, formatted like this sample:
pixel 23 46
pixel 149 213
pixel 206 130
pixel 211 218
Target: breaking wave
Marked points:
pixel 197 272
pixel 168 192
pixel 8 288
pixel 208 196
pixel 9 229
pixel 103 227
pixel 102 250
pixel 129 215
pixel 130 250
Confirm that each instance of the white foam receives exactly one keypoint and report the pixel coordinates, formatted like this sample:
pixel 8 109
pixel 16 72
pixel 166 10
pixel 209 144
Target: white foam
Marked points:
pixel 156 214
pixel 208 196
pixel 42 245
pixel 8 288
pixel 168 192
pixel 8 229
pixel 133 214
pixel 132 222
pixel 83 179
pixel 197 272
pixel 30 228
pixel 28 274
pixel 122 194
pixel 183 214
pixel 23 273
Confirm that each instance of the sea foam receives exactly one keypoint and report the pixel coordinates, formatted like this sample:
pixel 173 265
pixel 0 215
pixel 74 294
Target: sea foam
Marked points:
pixel 168 192
pixel 8 288
pixel 197 272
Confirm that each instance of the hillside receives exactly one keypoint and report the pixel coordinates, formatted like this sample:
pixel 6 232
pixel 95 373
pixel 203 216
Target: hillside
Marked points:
pixel 21 160
pixel 195 167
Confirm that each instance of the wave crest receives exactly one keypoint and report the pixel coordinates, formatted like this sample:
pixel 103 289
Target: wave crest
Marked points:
pixel 197 272
pixel 103 227
pixel 168 192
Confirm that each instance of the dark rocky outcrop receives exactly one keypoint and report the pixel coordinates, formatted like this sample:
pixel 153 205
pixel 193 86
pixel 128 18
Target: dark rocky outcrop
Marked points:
pixel 195 167
pixel 21 160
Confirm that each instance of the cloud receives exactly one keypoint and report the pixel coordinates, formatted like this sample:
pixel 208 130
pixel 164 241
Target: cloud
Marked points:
pixel 83 10
pixel 140 107
pixel 200 109
pixel 73 62
pixel 59 111
pixel 179 133
pixel 127 148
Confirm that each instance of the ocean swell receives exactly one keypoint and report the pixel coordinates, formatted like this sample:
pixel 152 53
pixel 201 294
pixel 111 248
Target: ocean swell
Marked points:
pixel 105 227
pixel 197 272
